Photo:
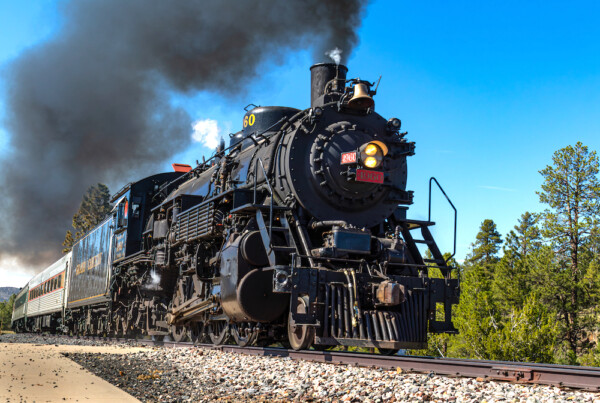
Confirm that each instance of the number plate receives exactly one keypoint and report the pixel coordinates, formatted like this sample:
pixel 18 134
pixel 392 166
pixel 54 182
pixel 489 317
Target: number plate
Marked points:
pixel 362 175
pixel 349 158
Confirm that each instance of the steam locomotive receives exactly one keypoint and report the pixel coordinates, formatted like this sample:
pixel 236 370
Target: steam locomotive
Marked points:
pixel 296 233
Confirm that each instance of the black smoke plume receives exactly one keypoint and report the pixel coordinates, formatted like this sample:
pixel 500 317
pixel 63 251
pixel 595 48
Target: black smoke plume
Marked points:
pixel 90 104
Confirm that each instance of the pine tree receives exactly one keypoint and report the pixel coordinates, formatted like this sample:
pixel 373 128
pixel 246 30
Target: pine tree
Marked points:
pixel 513 277
pixel 571 190
pixel 477 315
pixel 487 244
pixel 94 207
pixel 528 333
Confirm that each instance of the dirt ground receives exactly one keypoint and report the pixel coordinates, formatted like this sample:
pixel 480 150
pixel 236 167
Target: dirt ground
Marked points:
pixel 42 373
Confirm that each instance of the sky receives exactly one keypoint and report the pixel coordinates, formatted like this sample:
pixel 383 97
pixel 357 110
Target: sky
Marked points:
pixel 488 91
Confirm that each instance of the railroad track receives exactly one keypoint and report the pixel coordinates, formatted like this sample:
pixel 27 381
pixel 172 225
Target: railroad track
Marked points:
pixel 585 378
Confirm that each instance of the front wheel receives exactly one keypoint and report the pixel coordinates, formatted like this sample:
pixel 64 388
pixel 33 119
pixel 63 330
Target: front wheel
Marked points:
pixel 300 336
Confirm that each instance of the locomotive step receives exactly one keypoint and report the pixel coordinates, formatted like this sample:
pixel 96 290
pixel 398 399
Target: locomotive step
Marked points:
pixel 436 261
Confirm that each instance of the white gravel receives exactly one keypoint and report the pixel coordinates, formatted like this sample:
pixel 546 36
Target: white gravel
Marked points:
pixel 201 375
pixel 207 375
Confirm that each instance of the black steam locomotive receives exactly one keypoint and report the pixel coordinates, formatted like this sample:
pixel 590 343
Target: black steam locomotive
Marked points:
pixel 296 233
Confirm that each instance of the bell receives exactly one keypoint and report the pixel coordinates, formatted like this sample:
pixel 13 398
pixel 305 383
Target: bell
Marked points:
pixel 361 98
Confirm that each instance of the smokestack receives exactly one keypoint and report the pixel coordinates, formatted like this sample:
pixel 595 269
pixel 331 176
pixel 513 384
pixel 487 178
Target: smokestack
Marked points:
pixel 320 75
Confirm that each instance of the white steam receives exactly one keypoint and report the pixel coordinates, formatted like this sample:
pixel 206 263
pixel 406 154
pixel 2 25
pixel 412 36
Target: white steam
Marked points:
pixel 207 132
pixel 335 55
pixel 155 277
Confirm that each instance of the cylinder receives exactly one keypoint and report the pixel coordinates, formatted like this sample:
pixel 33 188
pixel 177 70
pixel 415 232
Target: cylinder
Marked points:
pixel 321 74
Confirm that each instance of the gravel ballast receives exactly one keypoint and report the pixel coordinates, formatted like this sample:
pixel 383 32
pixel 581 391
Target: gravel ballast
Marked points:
pixel 196 374
pixel 200 375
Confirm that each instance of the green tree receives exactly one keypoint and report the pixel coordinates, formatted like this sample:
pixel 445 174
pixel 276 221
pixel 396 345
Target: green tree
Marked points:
pixel 477 315
pixel 513 278
pixel 571 190
pixel 486 246
pixel 94 207
pixel 6 309
pixel 528 334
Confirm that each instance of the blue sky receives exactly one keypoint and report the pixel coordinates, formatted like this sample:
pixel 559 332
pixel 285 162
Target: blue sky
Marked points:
pixel 487 90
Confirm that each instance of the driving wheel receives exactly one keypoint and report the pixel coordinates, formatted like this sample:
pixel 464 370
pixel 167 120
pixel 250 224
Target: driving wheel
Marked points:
pixel 218 331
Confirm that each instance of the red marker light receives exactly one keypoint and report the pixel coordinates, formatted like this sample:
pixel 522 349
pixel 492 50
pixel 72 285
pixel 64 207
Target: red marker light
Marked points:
pixel 349 158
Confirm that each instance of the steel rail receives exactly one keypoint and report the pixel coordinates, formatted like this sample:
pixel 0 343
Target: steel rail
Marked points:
pixel 585 378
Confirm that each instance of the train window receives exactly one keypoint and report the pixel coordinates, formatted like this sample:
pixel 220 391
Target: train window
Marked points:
pixel 122 214
pixel 135 206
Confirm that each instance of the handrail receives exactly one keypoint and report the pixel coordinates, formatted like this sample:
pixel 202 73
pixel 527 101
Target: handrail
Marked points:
pixel 259 161
pixel 451 205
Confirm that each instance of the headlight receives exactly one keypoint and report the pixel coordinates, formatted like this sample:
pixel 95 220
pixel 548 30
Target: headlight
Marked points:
pixel 371 154
pixel 371 162
pixel 371 149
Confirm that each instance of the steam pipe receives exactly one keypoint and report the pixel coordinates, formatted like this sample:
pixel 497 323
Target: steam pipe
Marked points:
pixel 340 309
pixel 332 331
pixel 352 303
pixel 329 223
pixel 347 308
pixel 326 318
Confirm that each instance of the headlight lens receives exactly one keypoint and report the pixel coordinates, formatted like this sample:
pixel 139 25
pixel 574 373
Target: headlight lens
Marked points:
pixel 371 149
pixel 371 154
pixel 371 162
